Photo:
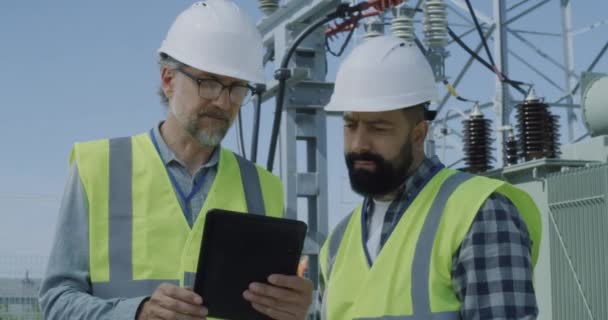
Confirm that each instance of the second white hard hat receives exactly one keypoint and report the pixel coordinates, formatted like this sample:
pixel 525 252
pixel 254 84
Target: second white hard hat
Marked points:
pixel 382 74
pixel 216 36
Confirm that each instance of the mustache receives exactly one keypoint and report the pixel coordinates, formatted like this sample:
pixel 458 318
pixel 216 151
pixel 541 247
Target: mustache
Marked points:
pixel 351 157
pixel 215 113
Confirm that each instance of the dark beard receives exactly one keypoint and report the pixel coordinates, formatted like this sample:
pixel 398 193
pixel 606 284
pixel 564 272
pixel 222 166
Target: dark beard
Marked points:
pixel 386 177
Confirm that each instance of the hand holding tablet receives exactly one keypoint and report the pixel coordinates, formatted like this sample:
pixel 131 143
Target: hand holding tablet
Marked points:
pixel 286 297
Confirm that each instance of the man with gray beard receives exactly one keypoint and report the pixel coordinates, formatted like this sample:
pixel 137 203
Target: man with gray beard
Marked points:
pixel 133 211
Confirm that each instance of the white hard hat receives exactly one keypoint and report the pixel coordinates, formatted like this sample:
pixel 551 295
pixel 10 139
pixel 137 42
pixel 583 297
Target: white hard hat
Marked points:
pixel 216 36
pixel 382 74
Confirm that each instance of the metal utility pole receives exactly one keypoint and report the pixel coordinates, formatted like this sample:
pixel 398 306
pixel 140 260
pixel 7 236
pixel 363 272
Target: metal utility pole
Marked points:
pixel 303 131
pixel 502 103
pixel 570 79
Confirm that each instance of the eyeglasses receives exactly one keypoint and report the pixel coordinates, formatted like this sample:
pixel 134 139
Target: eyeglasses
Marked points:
pixel 209 88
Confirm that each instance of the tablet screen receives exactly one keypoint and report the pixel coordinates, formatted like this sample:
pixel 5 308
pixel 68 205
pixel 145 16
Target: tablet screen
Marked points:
pixel 238 249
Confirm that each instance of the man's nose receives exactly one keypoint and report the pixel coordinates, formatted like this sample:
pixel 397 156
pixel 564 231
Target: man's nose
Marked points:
pixel 223 100
pixel 359 141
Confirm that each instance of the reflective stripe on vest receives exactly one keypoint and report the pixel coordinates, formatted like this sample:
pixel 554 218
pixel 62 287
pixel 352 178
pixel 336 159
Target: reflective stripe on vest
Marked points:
pixel 121 221
pixel 422 257
pixel 450 315
pixel 334 242
pixel 251 185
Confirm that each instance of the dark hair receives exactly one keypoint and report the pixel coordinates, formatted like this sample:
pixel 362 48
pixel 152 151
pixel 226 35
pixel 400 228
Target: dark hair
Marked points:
pixel 417 113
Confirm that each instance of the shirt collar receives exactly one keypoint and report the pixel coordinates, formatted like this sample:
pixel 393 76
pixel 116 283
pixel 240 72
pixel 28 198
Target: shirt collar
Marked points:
pixel 427 167
pixel 168 156
pixel 422 173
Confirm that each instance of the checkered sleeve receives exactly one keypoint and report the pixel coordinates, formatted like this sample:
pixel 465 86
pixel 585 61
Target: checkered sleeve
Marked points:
pixel 492 270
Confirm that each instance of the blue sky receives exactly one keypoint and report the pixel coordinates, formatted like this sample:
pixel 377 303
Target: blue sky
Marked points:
pixel 80 70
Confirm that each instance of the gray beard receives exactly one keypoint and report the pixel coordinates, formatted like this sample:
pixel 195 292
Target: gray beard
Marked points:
pixel 204 136
pixel 209 139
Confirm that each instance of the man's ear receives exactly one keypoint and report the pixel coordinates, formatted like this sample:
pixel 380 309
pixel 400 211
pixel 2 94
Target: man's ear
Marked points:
pixel 419 132
pixel 167 75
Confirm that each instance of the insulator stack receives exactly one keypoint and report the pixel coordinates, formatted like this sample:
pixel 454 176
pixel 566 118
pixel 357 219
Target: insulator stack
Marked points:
pixel 510 150
pixel 552 141
pixel 532 130
pixel 435 23
pixel 477 143
pixel 402 24
pixel 374 27
pixel 538 129
pixel 268 6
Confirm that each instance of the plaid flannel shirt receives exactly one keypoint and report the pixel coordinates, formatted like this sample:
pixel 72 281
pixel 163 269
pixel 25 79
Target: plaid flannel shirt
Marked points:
pixel 492 270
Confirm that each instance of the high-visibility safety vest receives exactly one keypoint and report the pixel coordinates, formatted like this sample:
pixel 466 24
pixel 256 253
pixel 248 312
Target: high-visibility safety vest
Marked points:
pixel 411 278
pixel 138 235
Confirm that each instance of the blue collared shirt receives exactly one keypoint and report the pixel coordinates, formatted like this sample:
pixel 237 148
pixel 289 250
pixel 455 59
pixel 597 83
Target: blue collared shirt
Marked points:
pixel 186 181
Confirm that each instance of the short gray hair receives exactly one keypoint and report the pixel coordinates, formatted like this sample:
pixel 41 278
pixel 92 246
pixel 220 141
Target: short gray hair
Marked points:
pixel 165 60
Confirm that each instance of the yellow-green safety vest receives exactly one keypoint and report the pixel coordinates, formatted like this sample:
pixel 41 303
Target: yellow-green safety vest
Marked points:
pixel 411 277
pixel 138 235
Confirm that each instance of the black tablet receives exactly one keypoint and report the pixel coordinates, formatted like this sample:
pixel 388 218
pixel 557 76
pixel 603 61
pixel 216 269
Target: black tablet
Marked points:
pixel 238 249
